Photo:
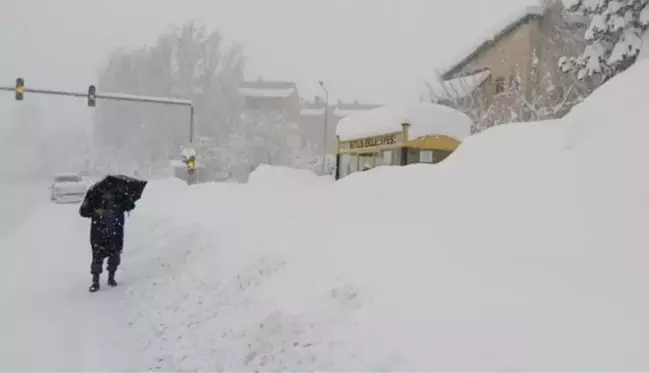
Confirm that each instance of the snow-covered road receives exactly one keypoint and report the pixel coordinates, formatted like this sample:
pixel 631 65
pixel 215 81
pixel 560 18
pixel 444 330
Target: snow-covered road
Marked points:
pixel 17 201
pixel 49 321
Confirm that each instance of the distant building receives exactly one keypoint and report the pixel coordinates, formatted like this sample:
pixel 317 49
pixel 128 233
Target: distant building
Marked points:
pixel 279 96
pixel 312 120
pixel 344 109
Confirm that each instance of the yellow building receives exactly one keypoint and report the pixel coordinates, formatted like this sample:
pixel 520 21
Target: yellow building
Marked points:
pixel 399 135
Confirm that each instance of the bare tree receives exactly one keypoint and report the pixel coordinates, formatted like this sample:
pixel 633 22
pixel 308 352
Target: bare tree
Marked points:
pixel 268 137
pixel 466 95
pixel 186 62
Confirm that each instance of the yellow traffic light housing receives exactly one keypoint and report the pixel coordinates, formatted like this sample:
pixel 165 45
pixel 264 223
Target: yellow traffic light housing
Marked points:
pixel 20 88
pixel 92 96
pixel 190 162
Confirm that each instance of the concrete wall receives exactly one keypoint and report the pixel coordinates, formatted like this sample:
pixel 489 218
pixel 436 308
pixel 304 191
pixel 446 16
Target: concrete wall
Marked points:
pixel 312 129
pixel 508 58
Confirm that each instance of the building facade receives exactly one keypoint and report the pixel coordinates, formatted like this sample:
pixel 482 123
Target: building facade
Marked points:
pixel 263 96
pixel 513 75
pixel 271 96
pixel 312 120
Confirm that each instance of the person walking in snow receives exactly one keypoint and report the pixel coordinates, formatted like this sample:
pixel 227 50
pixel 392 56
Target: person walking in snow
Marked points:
pixel 106 211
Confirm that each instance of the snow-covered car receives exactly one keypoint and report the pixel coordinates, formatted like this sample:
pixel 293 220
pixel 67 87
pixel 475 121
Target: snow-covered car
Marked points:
pixel 68 188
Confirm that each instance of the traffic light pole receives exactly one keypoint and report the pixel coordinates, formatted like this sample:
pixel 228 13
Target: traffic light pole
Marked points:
pixel 118 97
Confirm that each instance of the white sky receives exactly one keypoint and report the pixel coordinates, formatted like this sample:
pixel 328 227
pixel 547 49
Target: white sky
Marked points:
pixel 368 50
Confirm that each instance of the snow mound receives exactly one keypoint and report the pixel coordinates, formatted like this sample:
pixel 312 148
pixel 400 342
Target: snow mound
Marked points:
pixel 525 250
pixel 163 188
pixel 604 114
pixel 510 143
pixel 424 119
pixel 282 176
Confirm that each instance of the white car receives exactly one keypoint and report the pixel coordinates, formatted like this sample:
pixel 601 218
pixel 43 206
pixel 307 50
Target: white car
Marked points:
pixel 68 188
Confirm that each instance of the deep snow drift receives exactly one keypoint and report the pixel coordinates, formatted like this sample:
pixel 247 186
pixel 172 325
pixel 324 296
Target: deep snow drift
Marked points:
pixel 524 250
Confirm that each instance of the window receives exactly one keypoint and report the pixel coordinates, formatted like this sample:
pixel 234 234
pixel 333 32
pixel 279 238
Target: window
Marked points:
pixel 514 83
pixel 441 155
pixel 412 156
pixel 366 161
pixel 67 179
pixel 386 158
pixel 500 85
pixel 344 165
pixel 253 104
pixel 353 164
pixel 426 156
pixel 396 157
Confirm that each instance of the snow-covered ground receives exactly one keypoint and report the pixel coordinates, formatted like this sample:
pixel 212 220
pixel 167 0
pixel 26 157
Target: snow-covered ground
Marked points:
pixel 524 250
pixel 47 319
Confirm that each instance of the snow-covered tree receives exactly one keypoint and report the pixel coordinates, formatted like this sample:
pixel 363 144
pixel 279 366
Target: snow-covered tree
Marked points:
pixel 186 62
pixel 614 37
pixel 265 137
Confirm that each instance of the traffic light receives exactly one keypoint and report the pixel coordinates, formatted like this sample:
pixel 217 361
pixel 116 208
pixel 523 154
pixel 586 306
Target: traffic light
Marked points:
pixel 190 162
pixel 92 96
pixel 20 88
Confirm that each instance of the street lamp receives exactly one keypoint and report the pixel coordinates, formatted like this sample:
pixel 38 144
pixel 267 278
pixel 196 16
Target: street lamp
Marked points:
pixel 324 135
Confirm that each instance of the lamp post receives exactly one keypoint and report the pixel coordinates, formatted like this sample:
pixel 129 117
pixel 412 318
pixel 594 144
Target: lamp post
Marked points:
pixel 324 135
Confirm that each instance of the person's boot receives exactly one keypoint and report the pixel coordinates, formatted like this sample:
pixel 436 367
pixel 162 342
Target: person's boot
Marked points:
pixel 95 283
pixel 111 279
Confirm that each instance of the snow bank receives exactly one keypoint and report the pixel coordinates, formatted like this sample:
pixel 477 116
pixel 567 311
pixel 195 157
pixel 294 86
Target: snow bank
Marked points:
pixel 282 176
pixel 424 119
pixel 609 134
pixel 524 250
pixel 605 115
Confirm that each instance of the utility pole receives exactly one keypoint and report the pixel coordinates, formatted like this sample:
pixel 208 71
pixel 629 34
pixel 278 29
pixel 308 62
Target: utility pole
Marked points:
pixel 324 135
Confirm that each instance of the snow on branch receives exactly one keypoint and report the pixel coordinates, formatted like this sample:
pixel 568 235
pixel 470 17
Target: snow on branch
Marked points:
pixel 614 36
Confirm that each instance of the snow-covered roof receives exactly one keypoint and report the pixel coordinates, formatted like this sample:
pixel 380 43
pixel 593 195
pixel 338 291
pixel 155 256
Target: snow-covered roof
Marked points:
pixel 67 174
pixel 345 109
pixel 307 112
pixel 264 92
pixel 345 113
pixel 424 119
pixel 267 88
pixel 188 152
pixel 461 87
pixel 502 29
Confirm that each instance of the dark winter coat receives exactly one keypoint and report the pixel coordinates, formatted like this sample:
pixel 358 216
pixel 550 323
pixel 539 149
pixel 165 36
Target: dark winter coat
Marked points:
pixel 107 230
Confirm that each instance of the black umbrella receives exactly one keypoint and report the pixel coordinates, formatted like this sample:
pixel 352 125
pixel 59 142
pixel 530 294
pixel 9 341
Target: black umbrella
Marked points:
pixel 122 186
